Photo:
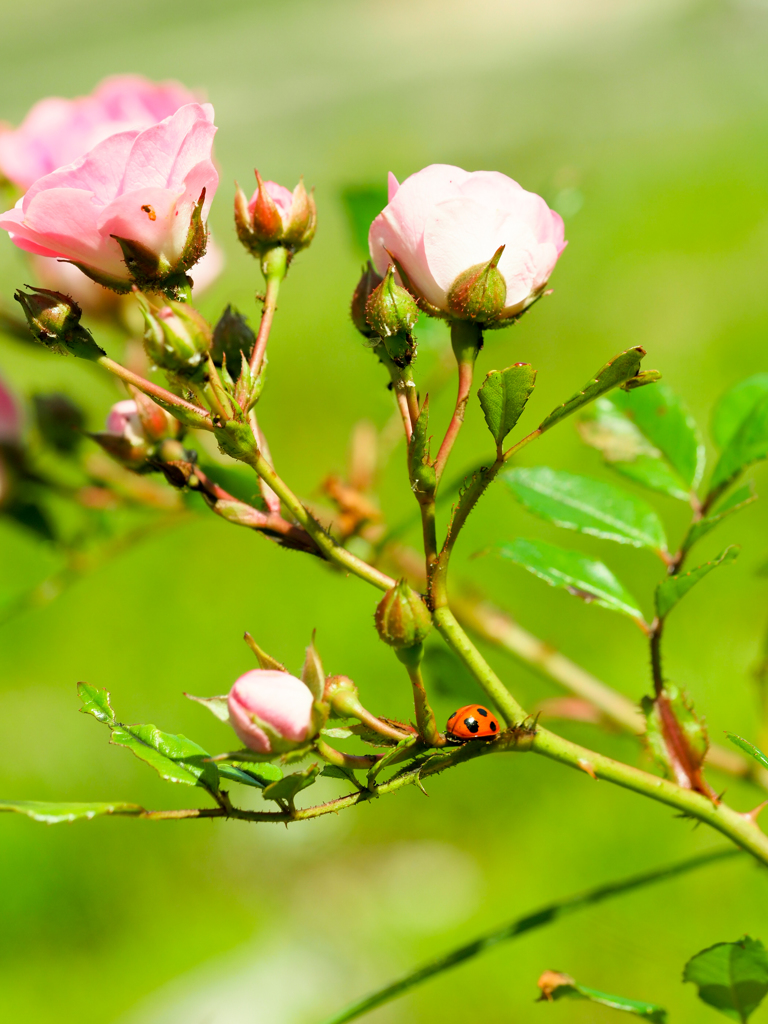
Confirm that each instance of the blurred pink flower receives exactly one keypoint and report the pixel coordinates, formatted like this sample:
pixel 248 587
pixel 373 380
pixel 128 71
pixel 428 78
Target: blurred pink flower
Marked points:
pixel 443 220
pixel 137 185
pixel 58 131
pixel 10 417
pixel 281 706
pixel 123 421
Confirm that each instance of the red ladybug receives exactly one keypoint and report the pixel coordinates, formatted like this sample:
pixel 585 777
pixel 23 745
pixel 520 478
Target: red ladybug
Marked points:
pixel 473 722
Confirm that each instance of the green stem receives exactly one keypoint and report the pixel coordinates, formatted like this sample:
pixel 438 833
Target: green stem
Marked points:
pixel 195 416
pixel 342 760
pixel 426 723
pixel 274 267
pixel 466 339
pixel 537 919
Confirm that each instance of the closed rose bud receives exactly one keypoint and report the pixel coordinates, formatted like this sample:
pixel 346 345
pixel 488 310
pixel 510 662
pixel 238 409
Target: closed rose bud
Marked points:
pixel 275 216
pixel 156 424
pixel 54 320
pixel 444 222
pixel 368 281
pixel 124 437
pixel 402 618
pixel 132 210
pixel 271 711
pixel 176 337
pixel 232 339
pixel 391 312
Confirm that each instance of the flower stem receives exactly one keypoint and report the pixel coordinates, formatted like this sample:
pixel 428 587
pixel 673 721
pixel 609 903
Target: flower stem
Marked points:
pixel 274 267
pixel 194 415
pixel 466 339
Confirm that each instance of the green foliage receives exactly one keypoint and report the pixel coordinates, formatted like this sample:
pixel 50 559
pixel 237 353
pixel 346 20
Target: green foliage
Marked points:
pixel 674 588
pixel 290 786
pixel 731 977
pixel 735 502
pixel 748 444
pixel 627 450
pixel 218 706
pixel 585 578
pixel 256 775
pixel 57 813
pixel 561 986
pixel 503 396
pixel 421 473
pixel 749 748
pixel 618 371
pixel 588 506
pixel 734 407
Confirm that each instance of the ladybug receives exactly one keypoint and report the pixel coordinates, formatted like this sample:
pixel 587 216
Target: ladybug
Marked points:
pixel 473 722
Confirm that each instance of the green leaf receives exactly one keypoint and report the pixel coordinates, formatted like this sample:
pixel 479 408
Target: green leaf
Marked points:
pixel 555 986
pixel 174 758
pixel 625 449
pixel 732 977
pixel 621 368
pixel 218 706
pixel 333 771
pixel 749 748
pixel 734 407
pixel 259 777
pixel 503 396
pixel 664 421
pixel 290 786
pixel 734 503
pixel 54 814
pixel 96 703
pixel 674 588
pixel 749 444
pixel 581 576
pixel 587 505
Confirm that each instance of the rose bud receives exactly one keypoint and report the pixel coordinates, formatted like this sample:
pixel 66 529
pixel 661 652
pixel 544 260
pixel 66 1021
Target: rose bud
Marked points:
pixel 124 437
pixel 176 337
pixel 232 339
pixel 272 712
pixel 58 131
pixel 391 312
pixel 54 320
pixel 444 223
pixel 275 216
pixel 402 618
pixel 133 210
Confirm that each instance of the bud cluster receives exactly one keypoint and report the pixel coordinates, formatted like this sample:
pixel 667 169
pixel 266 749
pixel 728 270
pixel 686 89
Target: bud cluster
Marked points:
pixel 176 337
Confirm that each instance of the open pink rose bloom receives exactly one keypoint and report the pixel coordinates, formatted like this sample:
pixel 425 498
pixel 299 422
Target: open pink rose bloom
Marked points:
pixel 140 185
pixel 58 131
pixel 443 220
pixel 279 700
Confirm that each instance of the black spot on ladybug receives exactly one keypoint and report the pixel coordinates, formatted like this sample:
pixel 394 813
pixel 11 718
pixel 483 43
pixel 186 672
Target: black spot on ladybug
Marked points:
pixel 493 726
pixel 472 724
pixel 483 712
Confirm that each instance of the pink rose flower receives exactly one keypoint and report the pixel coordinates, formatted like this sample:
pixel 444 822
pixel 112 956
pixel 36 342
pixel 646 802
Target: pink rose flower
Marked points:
pixel 58 131
pixel 10 417
pixel 270 711
pixel 443 220
pixel 275 216
pixel 139 186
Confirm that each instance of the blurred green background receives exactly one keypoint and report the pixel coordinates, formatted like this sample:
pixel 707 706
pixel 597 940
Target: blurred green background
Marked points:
pixel 646 123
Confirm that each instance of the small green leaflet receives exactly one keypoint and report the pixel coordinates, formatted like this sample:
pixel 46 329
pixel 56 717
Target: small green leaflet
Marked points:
pixel 748 748
pixel 674 588
pixel 503 397
pixel 290 786
pixel 621 368
pixel 555 985
pixel 218 706
pixel 175 758
pixel 732 977
pixel 247 774
pixel 734 407
pixel 587 505
pixel 625 449
pixel 54 814
pixel 749 444
pixel 735 502
pixel 581 576
pixel 662 418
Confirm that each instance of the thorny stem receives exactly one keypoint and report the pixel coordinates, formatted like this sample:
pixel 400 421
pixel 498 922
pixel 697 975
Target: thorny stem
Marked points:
pixel 274 265
pixel 425 716
pixel 162 396
pixel 466 339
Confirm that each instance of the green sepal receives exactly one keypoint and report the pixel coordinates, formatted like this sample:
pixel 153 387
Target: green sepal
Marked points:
pixel 216 705
pixel 674 588
pixel 236 439
pixel 288 788
pixel 265 660
pixel 114 284
pixel 676 736
pixel 503 396
pixel 618 371
pixel 312 674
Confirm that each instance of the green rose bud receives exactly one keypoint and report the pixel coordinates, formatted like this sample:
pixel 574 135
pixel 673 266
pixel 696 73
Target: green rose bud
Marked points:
pixel 402 618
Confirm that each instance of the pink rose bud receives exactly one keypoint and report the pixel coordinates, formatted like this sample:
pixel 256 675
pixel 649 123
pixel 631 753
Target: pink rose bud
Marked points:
pixel 444 222
pixel 133 210
pixel 275 216
pixel 271 711
pixel 124 437
pixel 10 417
pixel 58 131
